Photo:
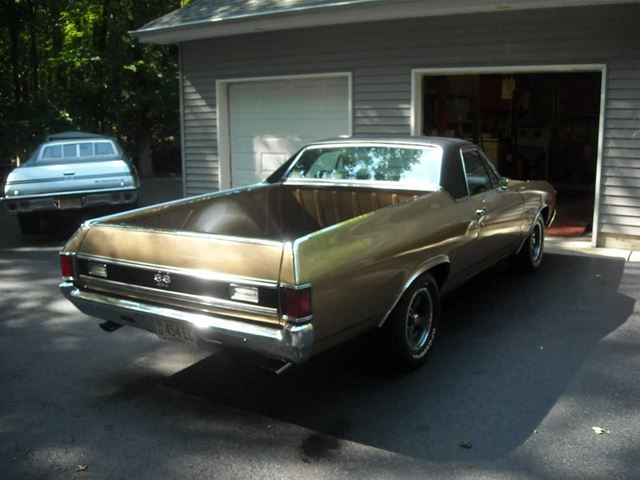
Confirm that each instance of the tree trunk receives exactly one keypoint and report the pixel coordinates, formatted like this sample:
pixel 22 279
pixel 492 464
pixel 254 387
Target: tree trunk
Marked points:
pixel 14 34
pixel 33 52
pixel 145 165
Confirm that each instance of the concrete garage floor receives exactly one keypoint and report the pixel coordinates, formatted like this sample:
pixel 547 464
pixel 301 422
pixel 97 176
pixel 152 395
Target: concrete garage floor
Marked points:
pixel 523 368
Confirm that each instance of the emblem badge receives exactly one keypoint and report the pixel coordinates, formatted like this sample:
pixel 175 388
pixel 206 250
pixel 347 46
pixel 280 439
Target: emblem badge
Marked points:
pixel 162 279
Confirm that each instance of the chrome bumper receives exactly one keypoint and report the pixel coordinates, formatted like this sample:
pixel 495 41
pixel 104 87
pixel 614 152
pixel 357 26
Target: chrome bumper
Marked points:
pixel 291 342
pixel 50 201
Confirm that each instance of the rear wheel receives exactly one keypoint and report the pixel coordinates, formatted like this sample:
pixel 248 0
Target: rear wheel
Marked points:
pixel 529 258
pixel 411 327
pixel 30 223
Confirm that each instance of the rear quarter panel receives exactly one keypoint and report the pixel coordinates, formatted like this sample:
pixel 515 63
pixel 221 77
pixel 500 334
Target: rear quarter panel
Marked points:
pixel 536 195
pixel 359 268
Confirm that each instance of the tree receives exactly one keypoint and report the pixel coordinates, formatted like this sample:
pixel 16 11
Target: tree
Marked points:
pixel 73 65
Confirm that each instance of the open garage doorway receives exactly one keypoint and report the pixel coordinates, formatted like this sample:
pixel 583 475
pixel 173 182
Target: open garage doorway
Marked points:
pixel 531 124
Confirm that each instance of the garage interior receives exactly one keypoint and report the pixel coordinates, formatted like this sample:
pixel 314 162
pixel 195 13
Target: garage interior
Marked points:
pixel 531 126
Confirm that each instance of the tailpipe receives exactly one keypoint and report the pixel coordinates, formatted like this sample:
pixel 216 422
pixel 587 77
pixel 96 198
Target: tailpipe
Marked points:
pixel 110 326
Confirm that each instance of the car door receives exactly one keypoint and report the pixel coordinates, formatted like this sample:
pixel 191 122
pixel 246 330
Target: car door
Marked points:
pixel 498 211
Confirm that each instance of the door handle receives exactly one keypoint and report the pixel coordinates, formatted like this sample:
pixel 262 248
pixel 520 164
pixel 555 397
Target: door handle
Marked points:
pixel 481 212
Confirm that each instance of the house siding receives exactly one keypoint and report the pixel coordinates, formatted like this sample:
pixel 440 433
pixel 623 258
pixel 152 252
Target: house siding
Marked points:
pixel 381 55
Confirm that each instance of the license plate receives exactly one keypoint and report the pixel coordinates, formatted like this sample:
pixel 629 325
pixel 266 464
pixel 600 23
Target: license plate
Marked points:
pixel 176 331
pixel 65 203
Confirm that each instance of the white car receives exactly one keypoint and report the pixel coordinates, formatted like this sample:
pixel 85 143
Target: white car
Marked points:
pixel 70 171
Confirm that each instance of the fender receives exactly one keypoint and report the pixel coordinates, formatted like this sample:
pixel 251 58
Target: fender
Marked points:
pixel 424 268
pixel 535 219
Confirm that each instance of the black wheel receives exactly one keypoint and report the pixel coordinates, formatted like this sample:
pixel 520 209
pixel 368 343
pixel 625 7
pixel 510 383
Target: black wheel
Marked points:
pixel 30 223
pixel 529 258
pixel 412 325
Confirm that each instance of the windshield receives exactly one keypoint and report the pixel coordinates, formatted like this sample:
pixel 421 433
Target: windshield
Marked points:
pixel 416 167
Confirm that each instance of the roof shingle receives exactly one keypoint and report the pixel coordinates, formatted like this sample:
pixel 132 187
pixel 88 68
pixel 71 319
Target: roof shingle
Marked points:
pixel 225 10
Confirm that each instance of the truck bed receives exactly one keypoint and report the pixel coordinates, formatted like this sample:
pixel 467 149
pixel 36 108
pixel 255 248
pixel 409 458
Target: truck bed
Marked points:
pixel 273 212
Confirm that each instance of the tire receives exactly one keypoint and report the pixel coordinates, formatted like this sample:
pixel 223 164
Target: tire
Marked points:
pixel 29 223
pixel 529 258
pixel 410 329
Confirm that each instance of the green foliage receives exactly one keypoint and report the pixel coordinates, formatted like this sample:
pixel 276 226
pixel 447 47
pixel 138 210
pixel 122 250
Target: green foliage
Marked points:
pixel 71 64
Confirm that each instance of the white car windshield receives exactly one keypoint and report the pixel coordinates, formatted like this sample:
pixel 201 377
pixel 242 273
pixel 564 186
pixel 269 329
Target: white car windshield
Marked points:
pixel 415 167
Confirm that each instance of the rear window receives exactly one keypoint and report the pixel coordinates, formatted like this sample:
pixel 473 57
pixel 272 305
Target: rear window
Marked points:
pixel 417 167
pixel 82 150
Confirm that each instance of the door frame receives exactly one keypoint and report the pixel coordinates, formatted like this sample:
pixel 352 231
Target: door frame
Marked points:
pixel 417 74
pixel 223 116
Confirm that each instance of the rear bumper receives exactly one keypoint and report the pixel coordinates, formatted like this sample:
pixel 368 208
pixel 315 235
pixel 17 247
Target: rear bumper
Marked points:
pixel 291 342
pixel 84 199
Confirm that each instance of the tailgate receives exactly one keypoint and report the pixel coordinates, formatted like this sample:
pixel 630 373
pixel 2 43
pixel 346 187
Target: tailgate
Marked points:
pixel 206 272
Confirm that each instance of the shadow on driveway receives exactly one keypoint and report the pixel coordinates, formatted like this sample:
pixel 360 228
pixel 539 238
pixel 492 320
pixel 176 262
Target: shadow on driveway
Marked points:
pixel 508 347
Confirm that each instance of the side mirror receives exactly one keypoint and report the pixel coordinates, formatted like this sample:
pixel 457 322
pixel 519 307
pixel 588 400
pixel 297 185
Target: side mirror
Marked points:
pixel 503 184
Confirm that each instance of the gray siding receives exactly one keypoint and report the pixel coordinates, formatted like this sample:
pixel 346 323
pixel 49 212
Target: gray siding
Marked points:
pixel 381 55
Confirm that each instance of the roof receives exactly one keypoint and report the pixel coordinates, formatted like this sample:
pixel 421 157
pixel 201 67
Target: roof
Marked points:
pixel 225 10
pixel 444 142
pixel 217 18
pixel 73 136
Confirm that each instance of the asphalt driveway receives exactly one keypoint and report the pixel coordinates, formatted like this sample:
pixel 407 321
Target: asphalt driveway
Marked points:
pixel 523 368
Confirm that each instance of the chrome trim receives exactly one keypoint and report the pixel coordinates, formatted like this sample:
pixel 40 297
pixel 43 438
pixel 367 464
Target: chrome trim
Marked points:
pixel 291 342
pixel 67 174
pixel 200 299
pixel 464 170
pixel 378 185
pixel 422 270
pixel 200 274
pixel 296 287
pixel 296 320
pixel 55 195
pixel 182 233
pixel 552 218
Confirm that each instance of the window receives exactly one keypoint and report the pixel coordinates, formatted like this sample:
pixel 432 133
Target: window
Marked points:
pixel 78 151
pixel 52 151
pixel 86 149
pixel 415 167
pixel 104 148
pixel 478 179
pixel 70 150
pixel 493 175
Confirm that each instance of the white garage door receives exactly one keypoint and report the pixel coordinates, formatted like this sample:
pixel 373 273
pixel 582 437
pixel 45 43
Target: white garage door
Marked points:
pixel 270 120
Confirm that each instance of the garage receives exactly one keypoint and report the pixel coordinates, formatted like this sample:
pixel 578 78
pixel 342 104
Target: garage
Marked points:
pixel 532 124
pixel 269 120
pixel 549 89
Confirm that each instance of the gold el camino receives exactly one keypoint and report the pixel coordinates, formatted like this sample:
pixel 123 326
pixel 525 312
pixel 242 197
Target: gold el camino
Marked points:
pixel 347 236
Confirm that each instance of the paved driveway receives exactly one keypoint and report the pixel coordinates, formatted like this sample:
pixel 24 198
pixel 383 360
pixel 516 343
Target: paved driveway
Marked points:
pixel 523 368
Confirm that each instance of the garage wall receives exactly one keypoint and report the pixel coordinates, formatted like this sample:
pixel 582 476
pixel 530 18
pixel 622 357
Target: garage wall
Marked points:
pixel 620 194
pixel 381 55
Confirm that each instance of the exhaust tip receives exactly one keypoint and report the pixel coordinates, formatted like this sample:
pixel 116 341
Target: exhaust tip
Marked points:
pixel 110 326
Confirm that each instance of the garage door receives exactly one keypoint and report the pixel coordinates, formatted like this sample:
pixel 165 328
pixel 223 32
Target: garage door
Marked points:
pixel 270 120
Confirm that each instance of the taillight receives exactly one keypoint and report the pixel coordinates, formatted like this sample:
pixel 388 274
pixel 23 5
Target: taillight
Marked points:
pixel 66 265
pixel 296 302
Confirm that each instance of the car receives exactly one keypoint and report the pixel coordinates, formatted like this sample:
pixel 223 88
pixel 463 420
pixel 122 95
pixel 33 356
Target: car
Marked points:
pixel 347 236
pixel 70 171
